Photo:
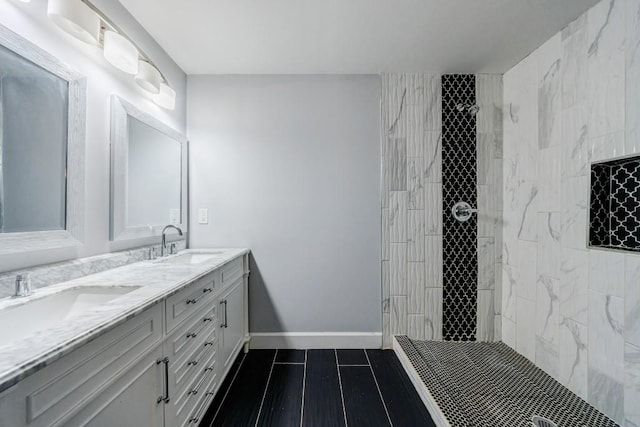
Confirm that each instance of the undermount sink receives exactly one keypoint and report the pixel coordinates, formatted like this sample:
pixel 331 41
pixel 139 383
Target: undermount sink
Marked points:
pixel 43 313
pixel 192 257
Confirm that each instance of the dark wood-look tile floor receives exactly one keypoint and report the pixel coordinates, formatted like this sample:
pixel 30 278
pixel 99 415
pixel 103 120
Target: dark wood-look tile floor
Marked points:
pixel 317 388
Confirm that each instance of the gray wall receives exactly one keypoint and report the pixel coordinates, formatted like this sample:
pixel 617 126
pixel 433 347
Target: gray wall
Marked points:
pixel 289 166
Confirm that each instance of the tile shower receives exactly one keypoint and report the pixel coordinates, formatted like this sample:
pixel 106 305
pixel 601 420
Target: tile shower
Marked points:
pixel 569 308
pixel 422 265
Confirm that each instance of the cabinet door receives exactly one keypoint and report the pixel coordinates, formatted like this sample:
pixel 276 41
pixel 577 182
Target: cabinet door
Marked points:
pixel 231 314
pixel 132 400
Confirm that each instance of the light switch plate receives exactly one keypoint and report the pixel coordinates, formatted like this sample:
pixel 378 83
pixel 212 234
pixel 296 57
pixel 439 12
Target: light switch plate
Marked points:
pixel 203 216
pixel 174 216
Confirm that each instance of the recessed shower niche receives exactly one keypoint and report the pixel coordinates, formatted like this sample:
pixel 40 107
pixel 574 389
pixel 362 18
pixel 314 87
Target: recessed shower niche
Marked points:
pixel 614 211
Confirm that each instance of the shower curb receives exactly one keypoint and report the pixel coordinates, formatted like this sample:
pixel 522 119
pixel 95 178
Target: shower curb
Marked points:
pixel 427 398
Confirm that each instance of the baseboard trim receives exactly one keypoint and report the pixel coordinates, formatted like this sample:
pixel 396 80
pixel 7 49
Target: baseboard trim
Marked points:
pixel 427 398
pixel 311 340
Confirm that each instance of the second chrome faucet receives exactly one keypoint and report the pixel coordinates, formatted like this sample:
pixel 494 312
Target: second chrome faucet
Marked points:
pixel 163 246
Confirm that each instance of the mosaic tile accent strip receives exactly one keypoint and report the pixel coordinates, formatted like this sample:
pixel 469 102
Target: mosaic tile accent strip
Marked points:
pixel 478 384
pixel 459 183
pixel 614 218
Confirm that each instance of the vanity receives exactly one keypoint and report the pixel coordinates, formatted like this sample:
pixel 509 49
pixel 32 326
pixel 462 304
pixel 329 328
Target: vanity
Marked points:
pixel 147 344
pixel 118 338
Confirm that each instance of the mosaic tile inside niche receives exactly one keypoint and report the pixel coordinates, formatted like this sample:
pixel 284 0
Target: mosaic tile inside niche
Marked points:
pixel 614 217
pixel 599 205
pixel 460 265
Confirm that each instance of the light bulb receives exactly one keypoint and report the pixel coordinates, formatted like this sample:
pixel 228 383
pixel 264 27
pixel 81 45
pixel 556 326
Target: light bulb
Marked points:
pixel 75 18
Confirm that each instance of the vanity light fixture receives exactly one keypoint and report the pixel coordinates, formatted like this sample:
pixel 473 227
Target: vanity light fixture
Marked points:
pixel 76 18
pixel 148 77
pixel 86 22
pixel 166 98
pixel 120 52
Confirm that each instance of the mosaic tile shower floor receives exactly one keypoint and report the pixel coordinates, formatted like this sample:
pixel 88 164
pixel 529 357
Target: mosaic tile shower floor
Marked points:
pixel 489 384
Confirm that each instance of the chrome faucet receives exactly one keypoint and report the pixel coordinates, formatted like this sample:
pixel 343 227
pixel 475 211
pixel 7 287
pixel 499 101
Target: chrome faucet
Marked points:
pixel 163 246
pixel 23 285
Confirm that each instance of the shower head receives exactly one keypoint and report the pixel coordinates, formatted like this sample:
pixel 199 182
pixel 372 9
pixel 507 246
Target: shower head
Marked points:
pixel 470 109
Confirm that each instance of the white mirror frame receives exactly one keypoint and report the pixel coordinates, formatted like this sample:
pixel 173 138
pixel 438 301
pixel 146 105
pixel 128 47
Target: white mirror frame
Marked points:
pixel 121 110
pixel 24 242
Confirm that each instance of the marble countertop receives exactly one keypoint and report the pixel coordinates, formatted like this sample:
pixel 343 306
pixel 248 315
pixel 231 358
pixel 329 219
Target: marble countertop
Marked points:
pixel 151 281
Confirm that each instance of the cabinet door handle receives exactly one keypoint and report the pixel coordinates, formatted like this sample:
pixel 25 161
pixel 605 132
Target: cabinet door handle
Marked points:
pixel 224 324
pixel 164 398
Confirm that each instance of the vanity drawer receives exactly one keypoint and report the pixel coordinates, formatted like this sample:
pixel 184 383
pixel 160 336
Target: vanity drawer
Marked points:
pixel 189 335
pixel 231 271
pixel 183 304
pixel 193 401
pixel 188 358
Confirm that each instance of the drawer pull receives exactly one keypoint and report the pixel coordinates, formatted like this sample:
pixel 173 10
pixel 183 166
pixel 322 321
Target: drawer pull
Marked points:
pixel 208 319
pixel 195 361
pixel 197 331
pixel 205 404
pixel 195 390
pixel 195 300
pixel 164 398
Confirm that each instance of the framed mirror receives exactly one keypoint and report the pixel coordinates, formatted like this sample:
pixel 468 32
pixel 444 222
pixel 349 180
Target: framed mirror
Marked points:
pixel 148 174
pixel 42 136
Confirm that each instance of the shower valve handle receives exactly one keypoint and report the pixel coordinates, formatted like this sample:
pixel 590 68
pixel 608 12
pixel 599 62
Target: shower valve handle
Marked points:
pixel 462 211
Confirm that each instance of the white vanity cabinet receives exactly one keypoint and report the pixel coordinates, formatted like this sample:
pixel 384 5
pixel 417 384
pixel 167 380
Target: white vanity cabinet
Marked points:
pixel 231 334
pixel 192 349
pixel 232 313
pixel 111 374
pixel 160 368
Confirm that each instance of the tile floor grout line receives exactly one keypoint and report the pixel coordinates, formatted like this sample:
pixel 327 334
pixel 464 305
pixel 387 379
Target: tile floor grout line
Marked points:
pixel 344 408
pixel 304 383
pixel 384 405
pixel 289 363
pixel 355 365
pixel 264 395
pixel 228 389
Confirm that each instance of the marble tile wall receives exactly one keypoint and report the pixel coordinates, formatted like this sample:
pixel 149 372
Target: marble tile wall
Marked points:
pixel 572 310
pixel 411 205
pixel 50 274
pixel 489 181
pixel 411 202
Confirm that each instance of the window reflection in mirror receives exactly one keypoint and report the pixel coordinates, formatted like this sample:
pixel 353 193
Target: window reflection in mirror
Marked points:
pixel 33 146
pixel 153 176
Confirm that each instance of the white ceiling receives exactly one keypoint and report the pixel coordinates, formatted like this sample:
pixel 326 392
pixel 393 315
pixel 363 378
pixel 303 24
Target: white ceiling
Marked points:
pixel 351 36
